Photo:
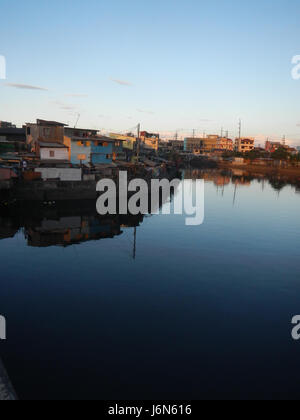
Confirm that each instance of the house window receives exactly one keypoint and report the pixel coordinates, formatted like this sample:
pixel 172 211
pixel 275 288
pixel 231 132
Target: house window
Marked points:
pixel 80 144
pixel 52 153
pixel 28 131
pixel 88 144
pixel 108 157
pixel 81 157
pixel 105 144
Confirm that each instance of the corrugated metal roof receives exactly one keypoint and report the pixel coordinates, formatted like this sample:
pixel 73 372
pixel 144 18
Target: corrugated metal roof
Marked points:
pixel 53 145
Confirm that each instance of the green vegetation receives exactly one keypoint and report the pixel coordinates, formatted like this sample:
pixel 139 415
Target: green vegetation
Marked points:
pixel 280 154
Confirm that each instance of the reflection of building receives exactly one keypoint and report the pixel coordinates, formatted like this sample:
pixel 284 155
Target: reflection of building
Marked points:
pixel 221 181
pixel 244 145
pixel 7 228
pixel 70 230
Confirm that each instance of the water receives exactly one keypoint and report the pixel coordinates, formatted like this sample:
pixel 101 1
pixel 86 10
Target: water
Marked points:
pixel 177 313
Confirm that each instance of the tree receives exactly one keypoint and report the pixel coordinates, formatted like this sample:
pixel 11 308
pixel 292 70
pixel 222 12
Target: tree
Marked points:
pixel 280 154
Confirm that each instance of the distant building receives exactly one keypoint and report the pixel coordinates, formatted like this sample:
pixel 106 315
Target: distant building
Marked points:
pixel 193 144
pixel 5 124
pixel 245 144
pixel 150 140
pixel 291 150
pixel 225 144
pixel 176 145
pixel 44 131
pixel 201 145
pixel 12 135
pixel 272 146
pixel 210 143
pixel 129 141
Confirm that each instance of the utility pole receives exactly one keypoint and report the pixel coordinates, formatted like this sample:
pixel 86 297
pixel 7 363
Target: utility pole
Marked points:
pixel 221 132
pixel 284 140
pixel 240 129
pixel 138 141
pixel 194 131
pixel 134 244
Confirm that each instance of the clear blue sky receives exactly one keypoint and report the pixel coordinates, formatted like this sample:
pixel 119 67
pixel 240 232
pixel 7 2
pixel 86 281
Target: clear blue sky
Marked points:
pixel 180 64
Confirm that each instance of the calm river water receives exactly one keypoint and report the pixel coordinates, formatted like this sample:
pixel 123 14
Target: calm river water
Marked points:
pixel 148 308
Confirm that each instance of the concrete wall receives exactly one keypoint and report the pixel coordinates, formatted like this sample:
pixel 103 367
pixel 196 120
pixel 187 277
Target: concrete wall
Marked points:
pixel 54 190
pixel 59 153
pixel 64 174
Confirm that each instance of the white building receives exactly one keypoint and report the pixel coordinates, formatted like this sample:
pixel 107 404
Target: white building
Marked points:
pixel 53 151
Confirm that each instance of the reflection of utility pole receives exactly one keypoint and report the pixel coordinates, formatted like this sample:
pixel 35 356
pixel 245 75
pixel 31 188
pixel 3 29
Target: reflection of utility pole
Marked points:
pixel 234 196
pixel 134 244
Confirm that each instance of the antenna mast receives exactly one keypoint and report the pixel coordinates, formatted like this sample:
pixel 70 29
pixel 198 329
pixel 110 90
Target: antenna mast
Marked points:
pixel 78 116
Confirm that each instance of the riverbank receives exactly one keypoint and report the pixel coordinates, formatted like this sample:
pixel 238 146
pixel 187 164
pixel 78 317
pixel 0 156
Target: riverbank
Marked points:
pixel 53 190
pixel 263 170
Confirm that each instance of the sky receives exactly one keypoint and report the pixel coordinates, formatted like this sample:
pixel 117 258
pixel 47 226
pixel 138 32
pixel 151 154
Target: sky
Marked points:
pixel 170 65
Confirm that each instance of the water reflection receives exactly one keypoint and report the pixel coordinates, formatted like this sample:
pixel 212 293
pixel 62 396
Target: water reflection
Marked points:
pixel 222 178
pixel 63 224
pixel 69 223
pixel 146 328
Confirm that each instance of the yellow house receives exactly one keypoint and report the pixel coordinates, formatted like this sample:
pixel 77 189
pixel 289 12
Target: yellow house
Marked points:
pixel 128 140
